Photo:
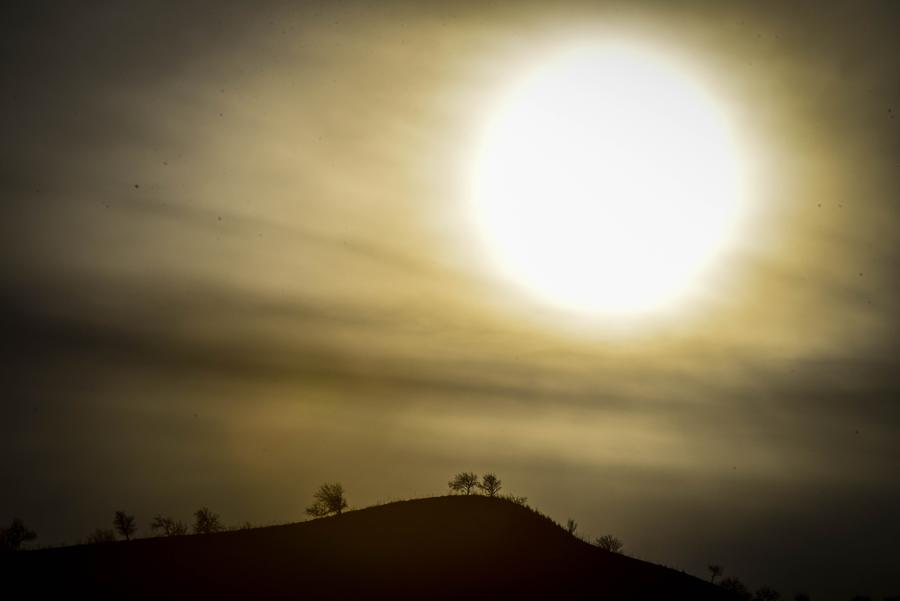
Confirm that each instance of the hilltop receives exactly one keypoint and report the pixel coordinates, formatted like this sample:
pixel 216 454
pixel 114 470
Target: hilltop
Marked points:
pixel 458 547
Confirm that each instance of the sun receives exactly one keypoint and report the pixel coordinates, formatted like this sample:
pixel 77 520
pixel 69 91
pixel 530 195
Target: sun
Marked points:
pixel 607 181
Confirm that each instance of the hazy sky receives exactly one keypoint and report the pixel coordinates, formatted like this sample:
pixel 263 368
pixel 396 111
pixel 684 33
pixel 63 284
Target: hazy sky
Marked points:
pixel 240 261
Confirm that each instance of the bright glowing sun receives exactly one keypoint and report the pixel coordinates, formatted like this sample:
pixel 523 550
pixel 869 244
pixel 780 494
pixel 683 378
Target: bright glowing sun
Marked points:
pixel 607 181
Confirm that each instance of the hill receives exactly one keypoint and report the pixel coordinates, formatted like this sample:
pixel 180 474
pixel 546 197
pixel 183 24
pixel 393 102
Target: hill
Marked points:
pixel 438 548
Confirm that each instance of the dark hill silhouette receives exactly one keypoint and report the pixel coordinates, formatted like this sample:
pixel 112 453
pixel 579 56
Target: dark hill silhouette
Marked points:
pixel 463 547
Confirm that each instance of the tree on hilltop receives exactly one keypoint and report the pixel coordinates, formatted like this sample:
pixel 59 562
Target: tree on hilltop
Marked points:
pixel 124 524
pixel 329 500
pixel 169 526
pixel 464 482
pixel 490 484
pixel 610 543
pixel 207 522
pixel 13 536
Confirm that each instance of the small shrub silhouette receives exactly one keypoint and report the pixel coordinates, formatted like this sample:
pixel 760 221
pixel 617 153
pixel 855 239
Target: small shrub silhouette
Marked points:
pixel 736 588
pixel 464 482
pixel 523 501
pixel 714 572
pixel 329 499
pixel 767 593
pixel 571 526
pixel 207 522
pixel 124 524
pixel 610 543
pixel 15 535
pixel 101 536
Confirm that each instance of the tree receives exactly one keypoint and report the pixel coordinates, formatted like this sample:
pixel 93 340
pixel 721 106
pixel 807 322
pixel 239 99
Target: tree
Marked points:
pixel 12 537
pixel 610 543
pixel 571 526
pixel 124 524
pixel 162 523
pixel 101 536
pixel 464 482
pixel 736 588
pixel 714 572
pixel 490 484
pixel 329 499
pixel 767 593
pixel 169 526
pixel 206 522
pixel 179 528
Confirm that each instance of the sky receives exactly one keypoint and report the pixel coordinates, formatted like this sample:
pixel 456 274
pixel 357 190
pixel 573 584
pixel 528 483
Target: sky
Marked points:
pixel 240 261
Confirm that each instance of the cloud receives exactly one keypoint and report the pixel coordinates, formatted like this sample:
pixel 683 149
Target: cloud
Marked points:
pixel 240 261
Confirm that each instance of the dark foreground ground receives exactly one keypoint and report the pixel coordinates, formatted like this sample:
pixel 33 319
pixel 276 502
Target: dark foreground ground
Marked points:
pixel 442 548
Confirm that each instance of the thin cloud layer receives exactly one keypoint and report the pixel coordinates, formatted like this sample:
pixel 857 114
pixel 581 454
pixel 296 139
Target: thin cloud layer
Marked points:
pixel 241 262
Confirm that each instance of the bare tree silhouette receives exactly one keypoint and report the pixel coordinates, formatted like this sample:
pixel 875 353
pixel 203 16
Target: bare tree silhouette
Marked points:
pixel 15 535
pixel 169 526
pixel 207 522
pixel 101 536
pixel 571 526
pixel 329 499
pixel 464 482
pixel 714 572
pixel 490 484
pixel 610 543
pixel 124 524
pixel 179 529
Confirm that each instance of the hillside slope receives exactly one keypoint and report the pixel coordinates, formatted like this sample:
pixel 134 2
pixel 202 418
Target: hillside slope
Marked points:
pixel 438 548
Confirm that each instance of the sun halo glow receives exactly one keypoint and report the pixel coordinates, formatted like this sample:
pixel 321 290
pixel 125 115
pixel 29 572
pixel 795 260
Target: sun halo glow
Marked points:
pixel 607 182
